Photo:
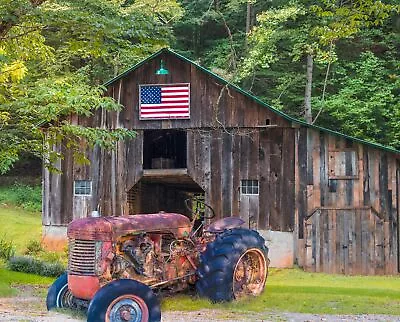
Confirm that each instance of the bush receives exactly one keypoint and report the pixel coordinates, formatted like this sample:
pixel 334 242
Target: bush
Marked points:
pixel 27 264
pixel 33 248
pixel 52 257
pixel 7 249
pixel 27 197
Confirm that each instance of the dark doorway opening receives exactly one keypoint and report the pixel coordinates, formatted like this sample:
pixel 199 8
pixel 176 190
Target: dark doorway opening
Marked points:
pixel 152 197
pixel 164 149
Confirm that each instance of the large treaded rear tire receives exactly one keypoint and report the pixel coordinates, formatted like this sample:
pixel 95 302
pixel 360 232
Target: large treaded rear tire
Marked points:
pixel 219 261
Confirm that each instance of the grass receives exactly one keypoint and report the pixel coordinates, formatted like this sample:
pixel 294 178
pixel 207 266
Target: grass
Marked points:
pixel 20 226
pixel 9 279
pixel 292 290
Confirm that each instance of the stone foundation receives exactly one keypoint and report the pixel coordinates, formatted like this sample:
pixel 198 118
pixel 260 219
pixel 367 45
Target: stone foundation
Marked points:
pixel 281 247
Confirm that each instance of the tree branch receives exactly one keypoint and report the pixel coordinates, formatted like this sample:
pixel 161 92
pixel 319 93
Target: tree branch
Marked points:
pixel 228 30
pixel 32 29
pixel 5 26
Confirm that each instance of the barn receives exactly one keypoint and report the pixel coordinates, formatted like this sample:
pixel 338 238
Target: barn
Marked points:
pixel 322 200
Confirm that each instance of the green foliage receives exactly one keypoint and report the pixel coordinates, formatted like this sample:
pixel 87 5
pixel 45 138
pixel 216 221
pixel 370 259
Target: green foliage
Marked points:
pixel 7 249
pixel 53 257
pixel 30 265
pixel 54 55
pixel 27 197
pixel 33 248
pixel 367 103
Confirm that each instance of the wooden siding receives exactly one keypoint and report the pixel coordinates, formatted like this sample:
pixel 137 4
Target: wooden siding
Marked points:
pixel 349 241
pixel 344 176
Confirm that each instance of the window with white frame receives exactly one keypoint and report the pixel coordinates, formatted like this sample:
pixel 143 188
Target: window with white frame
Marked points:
pixel 82 188
pixel 249 187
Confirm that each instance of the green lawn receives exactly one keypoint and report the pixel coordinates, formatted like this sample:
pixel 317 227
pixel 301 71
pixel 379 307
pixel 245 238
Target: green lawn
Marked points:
pixel 8 279
pixel 293 290
pixel 20 226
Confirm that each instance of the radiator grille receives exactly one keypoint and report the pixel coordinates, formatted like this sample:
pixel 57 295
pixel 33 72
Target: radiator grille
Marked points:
pixel 82 257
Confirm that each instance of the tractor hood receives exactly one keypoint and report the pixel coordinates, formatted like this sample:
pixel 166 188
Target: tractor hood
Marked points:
pixel 106 228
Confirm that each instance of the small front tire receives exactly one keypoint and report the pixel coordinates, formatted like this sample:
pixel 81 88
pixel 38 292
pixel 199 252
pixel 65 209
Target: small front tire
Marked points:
pixel 59 296
pixel 124 300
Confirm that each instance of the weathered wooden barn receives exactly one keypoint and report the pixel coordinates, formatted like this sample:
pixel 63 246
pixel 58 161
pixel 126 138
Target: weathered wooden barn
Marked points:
pixel 324 201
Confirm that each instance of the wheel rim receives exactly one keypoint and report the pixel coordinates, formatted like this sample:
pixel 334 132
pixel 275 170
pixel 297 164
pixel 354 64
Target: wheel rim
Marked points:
pixel 127 308
pixel 250 274
pixel 65 299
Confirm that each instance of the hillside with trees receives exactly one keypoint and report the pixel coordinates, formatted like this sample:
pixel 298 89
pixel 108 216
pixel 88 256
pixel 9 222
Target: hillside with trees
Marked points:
pixel 332 63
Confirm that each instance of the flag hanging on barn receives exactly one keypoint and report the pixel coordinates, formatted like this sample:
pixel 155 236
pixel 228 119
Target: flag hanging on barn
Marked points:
pixel 164 101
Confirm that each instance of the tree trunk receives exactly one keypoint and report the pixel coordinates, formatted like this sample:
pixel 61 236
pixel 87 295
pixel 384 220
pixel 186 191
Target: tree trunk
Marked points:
pixel 307 94
pixel 248 18
pixel 216 3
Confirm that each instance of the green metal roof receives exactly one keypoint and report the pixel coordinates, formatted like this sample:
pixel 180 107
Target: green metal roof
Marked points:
pixel 249 95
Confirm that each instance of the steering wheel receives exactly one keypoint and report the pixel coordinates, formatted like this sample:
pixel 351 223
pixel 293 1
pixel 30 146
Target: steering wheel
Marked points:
pixel 199 209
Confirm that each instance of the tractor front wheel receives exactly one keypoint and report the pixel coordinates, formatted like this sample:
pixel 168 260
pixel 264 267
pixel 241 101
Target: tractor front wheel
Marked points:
pixel 233 266
pixel 59 296
pixel 124 300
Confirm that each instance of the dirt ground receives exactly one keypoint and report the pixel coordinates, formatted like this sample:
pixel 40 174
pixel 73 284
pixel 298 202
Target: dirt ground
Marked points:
pixel 29 306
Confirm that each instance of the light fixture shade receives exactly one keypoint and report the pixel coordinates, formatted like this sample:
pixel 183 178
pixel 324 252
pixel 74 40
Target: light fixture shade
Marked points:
pixel 162 70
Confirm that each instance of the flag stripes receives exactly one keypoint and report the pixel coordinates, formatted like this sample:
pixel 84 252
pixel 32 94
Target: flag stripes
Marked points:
pixel 164 101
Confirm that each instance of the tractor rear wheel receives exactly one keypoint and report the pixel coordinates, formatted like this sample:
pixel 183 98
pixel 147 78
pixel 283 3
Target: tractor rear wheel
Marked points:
pixel 233 266
pixel 124 300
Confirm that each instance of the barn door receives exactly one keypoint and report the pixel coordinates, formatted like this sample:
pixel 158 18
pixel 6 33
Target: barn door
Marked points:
pixel 249 202
pixel 346 241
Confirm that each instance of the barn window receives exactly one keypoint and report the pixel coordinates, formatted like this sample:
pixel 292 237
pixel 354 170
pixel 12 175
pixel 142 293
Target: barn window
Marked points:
pixel 249 187
pixel 82 188
pixel 164 149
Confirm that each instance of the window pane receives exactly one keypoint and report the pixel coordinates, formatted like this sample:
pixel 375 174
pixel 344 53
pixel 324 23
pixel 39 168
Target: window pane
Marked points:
pixel 83 187
pixel 249 187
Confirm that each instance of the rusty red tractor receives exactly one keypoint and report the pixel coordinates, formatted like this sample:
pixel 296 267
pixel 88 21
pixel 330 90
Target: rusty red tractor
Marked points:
pixel 118 266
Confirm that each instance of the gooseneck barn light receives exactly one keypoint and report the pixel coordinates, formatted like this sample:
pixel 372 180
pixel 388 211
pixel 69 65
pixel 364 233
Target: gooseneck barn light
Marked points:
pixel 162 70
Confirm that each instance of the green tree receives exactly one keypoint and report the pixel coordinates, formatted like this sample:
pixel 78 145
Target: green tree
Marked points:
pixel 309 31
pixel 54 55
pixel 367 105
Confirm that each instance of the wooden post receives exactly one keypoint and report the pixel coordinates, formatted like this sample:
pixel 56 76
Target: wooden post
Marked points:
pixel 307 95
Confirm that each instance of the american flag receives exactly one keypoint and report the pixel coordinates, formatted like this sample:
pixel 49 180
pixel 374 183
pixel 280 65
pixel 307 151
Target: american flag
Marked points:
pixel 169 101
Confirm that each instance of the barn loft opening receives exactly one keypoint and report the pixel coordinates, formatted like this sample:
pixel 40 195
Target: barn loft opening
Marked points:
pixel 164 149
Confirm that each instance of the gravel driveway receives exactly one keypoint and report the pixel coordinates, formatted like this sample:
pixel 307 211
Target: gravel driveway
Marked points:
pixel 27 307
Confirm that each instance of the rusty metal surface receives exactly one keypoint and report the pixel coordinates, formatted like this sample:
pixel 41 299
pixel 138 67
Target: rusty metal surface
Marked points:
pixel 250 274
pixel 225 223
pixel 83 287
pixel 107 228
